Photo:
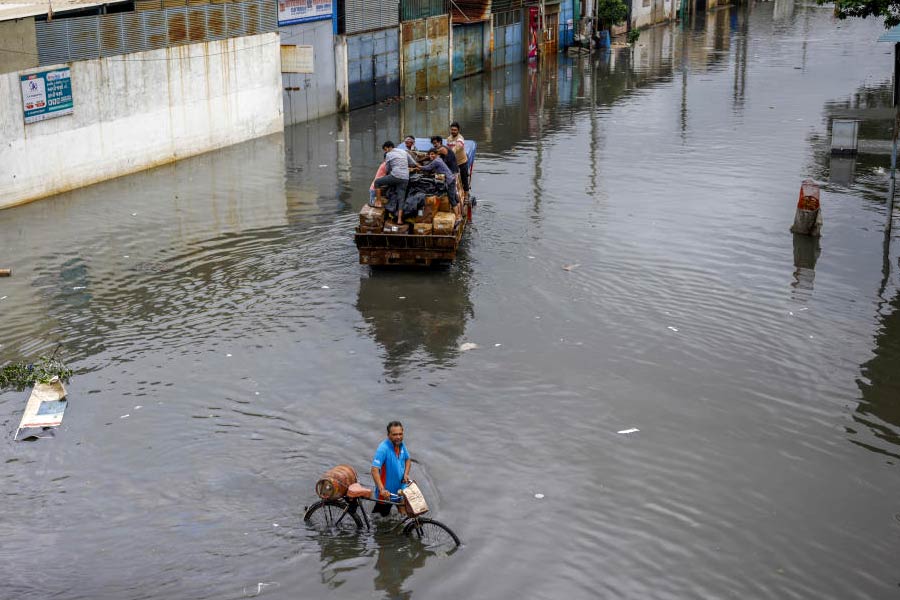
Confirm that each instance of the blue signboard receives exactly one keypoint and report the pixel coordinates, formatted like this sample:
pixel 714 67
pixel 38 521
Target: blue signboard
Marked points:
pixel 299 11
pixel 47 94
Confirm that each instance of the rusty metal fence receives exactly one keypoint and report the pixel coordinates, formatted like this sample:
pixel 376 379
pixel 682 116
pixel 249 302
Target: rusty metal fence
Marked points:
pixel 155 24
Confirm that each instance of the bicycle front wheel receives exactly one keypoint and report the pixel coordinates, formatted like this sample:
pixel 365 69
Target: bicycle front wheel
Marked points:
pixel 434 535
pixel 331 515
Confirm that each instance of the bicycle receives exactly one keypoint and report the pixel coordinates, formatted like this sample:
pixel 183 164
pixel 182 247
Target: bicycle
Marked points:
pixel 342 514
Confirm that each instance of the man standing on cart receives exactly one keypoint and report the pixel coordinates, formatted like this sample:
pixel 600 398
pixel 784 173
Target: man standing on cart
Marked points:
pixel 390 466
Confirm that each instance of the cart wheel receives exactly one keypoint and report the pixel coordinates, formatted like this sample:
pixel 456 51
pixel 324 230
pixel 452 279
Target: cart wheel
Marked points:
pixel 331 515
pixel 434 535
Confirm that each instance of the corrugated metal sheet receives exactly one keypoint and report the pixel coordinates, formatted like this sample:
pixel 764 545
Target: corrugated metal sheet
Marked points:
pixel 425 45
pixel 468 49
pixel 366 15
pixel 470 11
pixel 53 42
pixel 499 6
pixel 85 38
pixel 412 10
pixel 373 66
pixel 508 37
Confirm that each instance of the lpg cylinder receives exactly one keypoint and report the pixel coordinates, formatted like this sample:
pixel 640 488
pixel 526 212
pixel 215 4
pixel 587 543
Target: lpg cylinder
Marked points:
pixel 334 483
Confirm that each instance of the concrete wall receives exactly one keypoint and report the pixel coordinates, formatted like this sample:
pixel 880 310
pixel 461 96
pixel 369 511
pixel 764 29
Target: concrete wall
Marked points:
pixel 373 66
pixel 141 110
pixel 18 45
pixel 651 12
pixel 425 47
pixel 309 96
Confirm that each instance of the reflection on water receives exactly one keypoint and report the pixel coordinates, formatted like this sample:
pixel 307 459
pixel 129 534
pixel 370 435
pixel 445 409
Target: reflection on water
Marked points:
pixel 408 313
pixel 879 384
pixel 806 253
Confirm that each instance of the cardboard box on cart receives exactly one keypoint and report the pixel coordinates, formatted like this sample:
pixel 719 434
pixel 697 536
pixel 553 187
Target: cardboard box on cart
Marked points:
pixel 443 223
pixel 371 216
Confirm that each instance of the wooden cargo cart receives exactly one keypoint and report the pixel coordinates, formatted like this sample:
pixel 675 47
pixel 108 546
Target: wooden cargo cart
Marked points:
pixel 379 249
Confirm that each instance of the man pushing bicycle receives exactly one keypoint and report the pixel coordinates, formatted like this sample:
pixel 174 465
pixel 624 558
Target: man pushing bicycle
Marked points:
pixel 390 468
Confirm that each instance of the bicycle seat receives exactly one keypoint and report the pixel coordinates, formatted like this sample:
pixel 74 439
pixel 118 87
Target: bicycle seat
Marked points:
pixel 356 490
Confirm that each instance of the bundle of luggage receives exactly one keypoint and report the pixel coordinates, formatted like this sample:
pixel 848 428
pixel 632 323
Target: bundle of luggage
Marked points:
pixel 433 215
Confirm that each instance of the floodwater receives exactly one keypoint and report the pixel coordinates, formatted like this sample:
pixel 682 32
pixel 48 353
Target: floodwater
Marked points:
pixel 229 348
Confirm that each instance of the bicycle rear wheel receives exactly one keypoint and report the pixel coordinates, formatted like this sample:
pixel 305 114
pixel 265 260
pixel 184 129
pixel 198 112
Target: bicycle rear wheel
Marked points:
pixel 434 535
pixel 331 515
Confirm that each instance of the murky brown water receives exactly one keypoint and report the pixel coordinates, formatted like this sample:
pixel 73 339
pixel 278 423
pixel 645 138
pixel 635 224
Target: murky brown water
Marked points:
pixel 218 376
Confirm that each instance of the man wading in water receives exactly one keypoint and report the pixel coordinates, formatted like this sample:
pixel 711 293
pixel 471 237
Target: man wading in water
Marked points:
pixel 390 467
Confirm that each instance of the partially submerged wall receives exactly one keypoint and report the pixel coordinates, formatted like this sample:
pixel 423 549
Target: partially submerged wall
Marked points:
pixel 313 94
pixel 426 54
pixel 140 110
pixel 645 13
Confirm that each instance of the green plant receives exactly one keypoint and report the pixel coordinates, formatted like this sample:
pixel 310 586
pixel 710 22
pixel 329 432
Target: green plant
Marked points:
pixel 611 12
pixel 633 36
pixel 21 375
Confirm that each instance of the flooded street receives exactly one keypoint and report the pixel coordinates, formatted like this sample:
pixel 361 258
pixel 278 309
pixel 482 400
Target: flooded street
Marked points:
pixel 229 348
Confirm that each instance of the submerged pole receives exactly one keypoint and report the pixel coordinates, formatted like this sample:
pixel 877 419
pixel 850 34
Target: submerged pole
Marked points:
pixel 892 184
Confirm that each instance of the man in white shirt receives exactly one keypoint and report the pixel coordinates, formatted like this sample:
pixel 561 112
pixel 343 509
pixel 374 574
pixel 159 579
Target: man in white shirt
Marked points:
pixel 397 177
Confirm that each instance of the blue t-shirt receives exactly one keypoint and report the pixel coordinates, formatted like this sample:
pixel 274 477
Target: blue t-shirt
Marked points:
pixel 391 465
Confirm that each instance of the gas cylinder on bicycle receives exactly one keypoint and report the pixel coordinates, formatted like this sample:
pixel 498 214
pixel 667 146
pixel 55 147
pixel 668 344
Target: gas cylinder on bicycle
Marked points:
pixel 334 483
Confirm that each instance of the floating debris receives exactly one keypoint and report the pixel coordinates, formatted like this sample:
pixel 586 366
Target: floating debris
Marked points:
pixel 539 496
pixel 673 328
pixel 571 267
pixel 44 409
pixel 467 346
pixel 627 431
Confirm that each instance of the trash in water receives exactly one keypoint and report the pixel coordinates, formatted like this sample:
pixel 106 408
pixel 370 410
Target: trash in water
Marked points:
pixel 125 416
pixel 632 430
pixel 259 587
pixel 401 297
pixel 4 297
pixel 133 214
pixel 325 287
pixel 228 355
pixel 79 287
pixel 322 166
pixel 571 267
pixel 44 409
pixel 138 407
pixel 538 496
pixel 497 345
pixel 467 346
pixel 673 328
pixel 530 257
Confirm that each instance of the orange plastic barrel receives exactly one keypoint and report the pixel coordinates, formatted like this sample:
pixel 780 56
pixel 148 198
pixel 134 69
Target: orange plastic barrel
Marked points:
pixel 334 483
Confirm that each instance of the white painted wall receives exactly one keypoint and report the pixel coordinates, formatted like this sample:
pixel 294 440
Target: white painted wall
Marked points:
pixel 645 13
pixel 309 96
pixel 140 110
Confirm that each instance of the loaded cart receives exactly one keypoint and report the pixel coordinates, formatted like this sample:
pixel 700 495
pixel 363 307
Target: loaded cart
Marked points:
pixel 429 237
